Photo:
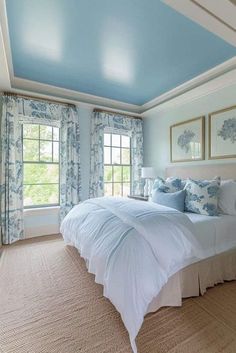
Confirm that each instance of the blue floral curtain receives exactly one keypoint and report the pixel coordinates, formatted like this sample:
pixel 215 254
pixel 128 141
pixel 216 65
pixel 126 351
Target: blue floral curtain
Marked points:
pixel 15 112
pixel 11 177
pixel 66 117
pixel 70 186
pixel 127 125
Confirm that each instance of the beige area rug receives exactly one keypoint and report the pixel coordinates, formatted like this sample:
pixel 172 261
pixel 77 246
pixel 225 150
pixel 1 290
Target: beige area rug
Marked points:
pixel 49 303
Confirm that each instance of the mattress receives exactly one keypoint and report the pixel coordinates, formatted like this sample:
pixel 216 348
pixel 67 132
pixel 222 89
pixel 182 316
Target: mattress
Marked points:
pixel 215 234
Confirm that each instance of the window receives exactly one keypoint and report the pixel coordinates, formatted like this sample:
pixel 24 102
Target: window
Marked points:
pixel 41 165
pixel 117 165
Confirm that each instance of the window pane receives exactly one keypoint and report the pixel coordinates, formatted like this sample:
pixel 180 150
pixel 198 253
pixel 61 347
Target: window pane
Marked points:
pixel 115 155
pixel 116 140
pixel 126 189
pixel 107 155
pixel 35 195
pixel 126 174
pixel 117 173
pixel 45 132
pixel 117 189
pixel 35 173
pixel 108 189
pixel 55 151
pixel 125 156
pixel 107 139
pixel 125 141
pixel 31 131
pixel 30 150
pixel 56 134
pixel 45 151
pixel 107 174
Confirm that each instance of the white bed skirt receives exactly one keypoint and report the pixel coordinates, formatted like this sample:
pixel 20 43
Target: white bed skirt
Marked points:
pixel 194 280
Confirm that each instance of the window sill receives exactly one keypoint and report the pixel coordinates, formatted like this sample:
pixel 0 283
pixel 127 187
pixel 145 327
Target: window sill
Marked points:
pixel 41 211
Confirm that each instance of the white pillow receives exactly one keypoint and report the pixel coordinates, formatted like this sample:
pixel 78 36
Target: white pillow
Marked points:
pixel 227 198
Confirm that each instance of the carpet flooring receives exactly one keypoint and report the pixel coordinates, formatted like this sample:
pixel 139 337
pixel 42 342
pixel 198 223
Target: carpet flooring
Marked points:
pixel 49 303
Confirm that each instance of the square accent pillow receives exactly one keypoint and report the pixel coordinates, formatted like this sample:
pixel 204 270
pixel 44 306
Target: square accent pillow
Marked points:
pixel 202 196
pixel 169 185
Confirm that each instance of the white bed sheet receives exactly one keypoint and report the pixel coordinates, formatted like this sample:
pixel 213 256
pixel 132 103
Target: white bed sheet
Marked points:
pixel 216 234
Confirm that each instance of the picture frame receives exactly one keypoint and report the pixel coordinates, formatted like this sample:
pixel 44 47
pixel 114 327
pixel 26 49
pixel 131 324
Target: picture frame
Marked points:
pixel 222 133
pixel 187 140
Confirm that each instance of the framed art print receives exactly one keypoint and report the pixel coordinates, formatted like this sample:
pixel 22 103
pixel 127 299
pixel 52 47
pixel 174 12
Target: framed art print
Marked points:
pixel 187 140
pixel 222 133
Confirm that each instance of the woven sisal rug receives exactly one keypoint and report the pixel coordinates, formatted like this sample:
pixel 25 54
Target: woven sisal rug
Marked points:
pixel 50 304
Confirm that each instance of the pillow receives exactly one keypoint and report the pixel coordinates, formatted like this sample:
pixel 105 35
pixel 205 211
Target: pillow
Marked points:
pixel 174 200
pixel 169 185
pixel 227 198
pixel 202 196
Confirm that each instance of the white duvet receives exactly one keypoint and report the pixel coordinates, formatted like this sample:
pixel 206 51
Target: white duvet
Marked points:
pixel 132 248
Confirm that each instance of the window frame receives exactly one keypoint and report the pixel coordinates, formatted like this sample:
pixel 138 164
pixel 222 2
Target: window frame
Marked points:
pixel 112 165
pixel 39 162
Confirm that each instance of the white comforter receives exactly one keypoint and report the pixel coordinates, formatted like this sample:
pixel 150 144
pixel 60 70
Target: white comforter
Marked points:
pixel 132 247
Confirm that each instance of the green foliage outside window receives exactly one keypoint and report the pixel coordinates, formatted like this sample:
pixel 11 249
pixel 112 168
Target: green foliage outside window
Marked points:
pixel 41 165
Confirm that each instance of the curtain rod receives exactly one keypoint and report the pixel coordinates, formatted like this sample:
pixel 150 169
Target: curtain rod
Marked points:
pixel 38 98
pixel 118 113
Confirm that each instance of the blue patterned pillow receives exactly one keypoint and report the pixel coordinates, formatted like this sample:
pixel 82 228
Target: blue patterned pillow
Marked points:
pixel 169 185
pixel 202 196
pixel 174 200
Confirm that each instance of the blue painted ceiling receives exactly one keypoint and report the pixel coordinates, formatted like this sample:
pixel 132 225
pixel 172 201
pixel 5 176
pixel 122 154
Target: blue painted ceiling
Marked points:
pixel 128 50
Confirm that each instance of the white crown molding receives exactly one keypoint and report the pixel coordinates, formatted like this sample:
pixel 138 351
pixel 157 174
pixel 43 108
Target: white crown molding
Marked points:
pixel 6 38
pixel 72 96
pixel 203 15
pixel 177 93
pixel 212 80
pixel 226 80
pixel 4 73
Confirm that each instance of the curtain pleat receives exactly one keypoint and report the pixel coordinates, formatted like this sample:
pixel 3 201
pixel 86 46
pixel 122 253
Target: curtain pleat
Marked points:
pixel 100 123
pixel 11 187
pixel 70 187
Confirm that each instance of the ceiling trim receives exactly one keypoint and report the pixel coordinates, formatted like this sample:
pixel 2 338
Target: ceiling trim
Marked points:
pixel 212 14
pixel 4 72
pixel 198 13
pixel 217 84
pixel 198 81
pixel 79 97
pixel 181 93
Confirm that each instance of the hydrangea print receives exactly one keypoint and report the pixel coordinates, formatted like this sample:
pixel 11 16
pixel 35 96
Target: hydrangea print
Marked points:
pixel 185 139
pixel 228 130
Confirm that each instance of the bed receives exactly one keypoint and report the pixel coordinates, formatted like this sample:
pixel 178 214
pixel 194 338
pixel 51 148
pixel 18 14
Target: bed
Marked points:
pixel 197 252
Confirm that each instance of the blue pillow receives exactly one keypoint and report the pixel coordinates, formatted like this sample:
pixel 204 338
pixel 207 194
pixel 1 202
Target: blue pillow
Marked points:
pixel 174 200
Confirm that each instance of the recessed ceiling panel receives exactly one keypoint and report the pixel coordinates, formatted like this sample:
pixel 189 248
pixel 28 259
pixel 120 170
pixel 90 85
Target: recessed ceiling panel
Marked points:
pixel 132 51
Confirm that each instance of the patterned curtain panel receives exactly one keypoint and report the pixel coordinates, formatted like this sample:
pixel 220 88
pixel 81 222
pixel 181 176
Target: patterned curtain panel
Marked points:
pixel 11 172
pixel 69 160
pixel 66 117
pixel 131 126
pixel 15 112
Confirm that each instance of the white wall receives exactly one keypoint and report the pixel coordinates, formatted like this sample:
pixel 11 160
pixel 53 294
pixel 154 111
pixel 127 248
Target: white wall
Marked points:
pixel 157 125
pixel 46 221
pixel 0 152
